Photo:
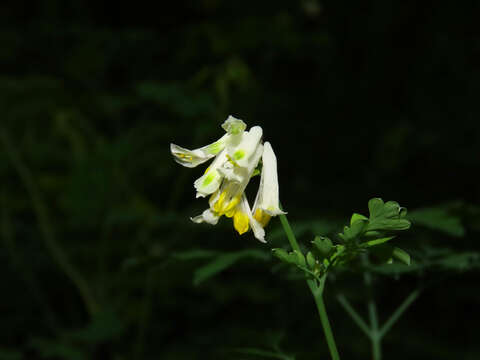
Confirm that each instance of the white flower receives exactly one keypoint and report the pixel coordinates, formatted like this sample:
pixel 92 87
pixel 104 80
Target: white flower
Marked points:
pixel 237 155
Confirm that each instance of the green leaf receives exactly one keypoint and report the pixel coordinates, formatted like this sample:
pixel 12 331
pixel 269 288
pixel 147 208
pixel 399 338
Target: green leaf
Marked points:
pixel 372 234
pixel 283 255
pixel 356 217
pixel 396 268
pixel 223 262
pixel 105 326
pixel 461 262
pixel 300 258
pixel 388 224
pixel 401 255
pixel 377 241
pixel 311 260
pixel 323 246
pixel 355 230
pixel 386 216
pixel 438 219
pixel 375 207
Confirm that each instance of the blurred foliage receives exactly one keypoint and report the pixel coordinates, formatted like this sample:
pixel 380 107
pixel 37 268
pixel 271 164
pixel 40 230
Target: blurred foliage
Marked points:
pixel 359 100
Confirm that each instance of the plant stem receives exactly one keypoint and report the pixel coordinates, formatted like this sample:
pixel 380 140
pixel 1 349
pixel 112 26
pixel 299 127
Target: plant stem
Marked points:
pixel 27 274
pixel 375 335
pixel 354 314
pixel 317 292
pixel 290 235
pixel 399 312
pixel 45 225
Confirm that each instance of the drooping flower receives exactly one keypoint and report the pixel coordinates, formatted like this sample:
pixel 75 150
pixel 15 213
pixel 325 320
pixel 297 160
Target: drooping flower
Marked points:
pixel 236 156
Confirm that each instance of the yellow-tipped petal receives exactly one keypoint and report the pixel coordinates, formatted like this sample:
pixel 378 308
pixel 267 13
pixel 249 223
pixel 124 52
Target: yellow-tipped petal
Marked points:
pixel 192 158
pixel 230 213
pixel 240 222
pixel 218 206
pixel 262 217
pixel 232 204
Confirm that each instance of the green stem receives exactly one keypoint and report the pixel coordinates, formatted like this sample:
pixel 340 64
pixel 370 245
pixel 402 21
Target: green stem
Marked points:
pixel 290 235
pixel 27 274
pixel 317 292
pixel 46 227
pixel 399 312
pixel 375 335
pixel 354 314
pixel 376 347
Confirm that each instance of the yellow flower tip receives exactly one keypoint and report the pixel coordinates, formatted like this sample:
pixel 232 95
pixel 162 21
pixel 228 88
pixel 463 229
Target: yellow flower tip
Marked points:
pixel 240 222
pixel 262 217
pixel 232 204
pixel 183 156
pixel 218 206
pixel 230 213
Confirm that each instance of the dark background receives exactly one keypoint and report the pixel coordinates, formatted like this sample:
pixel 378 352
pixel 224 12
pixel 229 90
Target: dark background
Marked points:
pixel 359 100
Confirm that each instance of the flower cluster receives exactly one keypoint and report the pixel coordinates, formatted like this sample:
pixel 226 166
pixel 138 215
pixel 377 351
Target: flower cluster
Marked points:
pixel 237 157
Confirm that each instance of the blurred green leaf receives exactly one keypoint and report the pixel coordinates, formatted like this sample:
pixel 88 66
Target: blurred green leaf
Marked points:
pixel 105 326
pixel 437 218
pixel 396 268
pixel 460 262
pixel 401 255
pixel 195 254
pixel 224 261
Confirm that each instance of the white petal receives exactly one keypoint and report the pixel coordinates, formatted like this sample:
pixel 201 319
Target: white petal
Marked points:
pixel 228 171
pixel 209 182
pixel 245 174
pixel 207 216
pixel 257 229
pixel 240 154
pixel 192 158
pixel 267 197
